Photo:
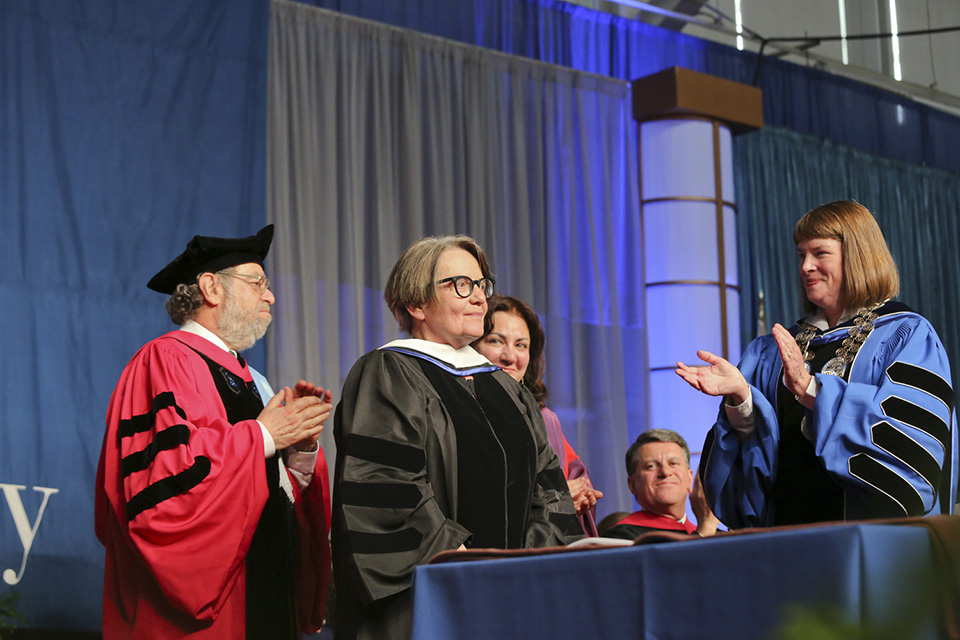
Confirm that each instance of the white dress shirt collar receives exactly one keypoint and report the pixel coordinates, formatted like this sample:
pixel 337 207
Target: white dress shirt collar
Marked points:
pixel 191 326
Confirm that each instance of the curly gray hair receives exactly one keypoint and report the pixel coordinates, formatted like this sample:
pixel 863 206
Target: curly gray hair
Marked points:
pixel 187 300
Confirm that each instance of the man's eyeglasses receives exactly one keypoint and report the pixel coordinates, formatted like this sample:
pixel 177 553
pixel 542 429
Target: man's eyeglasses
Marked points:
pixel 262 283
pixel 463 285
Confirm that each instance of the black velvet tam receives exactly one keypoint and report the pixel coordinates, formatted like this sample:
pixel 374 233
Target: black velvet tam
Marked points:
pixel 208 254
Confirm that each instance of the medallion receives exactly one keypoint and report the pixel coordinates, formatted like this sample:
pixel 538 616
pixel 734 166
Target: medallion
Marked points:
pixel 856 336
pixel 835 367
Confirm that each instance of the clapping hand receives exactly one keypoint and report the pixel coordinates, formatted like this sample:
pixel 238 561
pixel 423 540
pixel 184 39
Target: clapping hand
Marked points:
pixel 795 375
pixel 584 496
pixel 295 417
pixel 719 378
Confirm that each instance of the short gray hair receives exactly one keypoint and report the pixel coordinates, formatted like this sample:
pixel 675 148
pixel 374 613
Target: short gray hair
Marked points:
pixel 411 281
pixel 654 435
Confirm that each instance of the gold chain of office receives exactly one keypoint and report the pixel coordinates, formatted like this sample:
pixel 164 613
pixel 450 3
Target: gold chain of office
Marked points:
pixel 863 324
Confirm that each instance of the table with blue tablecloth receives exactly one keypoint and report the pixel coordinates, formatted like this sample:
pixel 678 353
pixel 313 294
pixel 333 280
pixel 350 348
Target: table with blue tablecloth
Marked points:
pixel 730 586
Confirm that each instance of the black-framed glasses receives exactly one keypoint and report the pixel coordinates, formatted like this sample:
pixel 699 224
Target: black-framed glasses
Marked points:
pixel 463 285
pixel 262 283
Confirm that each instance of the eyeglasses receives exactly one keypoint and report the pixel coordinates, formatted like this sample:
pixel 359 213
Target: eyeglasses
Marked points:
pixel 262 283
pixel 463 285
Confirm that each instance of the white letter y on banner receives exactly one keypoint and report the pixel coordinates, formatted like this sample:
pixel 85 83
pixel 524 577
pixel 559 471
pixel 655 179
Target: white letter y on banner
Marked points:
pixel 27 532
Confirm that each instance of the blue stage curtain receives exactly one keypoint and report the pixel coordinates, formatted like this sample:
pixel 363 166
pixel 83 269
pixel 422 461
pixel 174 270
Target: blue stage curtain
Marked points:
pixel 803 99
pixel 125 129
pixel 783 174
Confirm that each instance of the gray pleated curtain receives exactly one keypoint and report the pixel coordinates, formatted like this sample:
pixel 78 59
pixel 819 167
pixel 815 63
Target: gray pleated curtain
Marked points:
pixel 378 136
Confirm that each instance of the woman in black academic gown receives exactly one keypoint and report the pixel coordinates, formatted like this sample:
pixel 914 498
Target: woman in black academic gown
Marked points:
pixel 437 449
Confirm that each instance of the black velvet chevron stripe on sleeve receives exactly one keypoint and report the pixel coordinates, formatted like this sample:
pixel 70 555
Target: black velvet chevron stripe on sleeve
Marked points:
pixel 168 487
pixel 569 523
pixel 919 378
pixel 170 438
pixel 390 454
pixel 917 417
pixel 888 482
pixel 552 478
pixel 898 444
pixel 408 539
pixel 145 421
pixel 385 495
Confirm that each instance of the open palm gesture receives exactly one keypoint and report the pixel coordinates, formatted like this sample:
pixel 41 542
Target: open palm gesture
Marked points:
pixel 718 378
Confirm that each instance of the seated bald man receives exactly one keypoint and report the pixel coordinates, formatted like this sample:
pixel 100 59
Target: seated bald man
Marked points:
pixel 660 478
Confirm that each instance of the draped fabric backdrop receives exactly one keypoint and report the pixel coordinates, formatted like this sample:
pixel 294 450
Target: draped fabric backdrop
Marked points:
pixel 804 99
pixel 378 136
pixel 781 174
pixel 125 128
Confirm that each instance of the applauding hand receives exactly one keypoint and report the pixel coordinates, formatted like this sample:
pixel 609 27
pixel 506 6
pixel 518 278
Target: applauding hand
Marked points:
pixel 720 378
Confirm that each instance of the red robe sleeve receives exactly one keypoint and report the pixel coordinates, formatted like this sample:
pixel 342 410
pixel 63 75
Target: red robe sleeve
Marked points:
pixel 183 487
pixel 313 568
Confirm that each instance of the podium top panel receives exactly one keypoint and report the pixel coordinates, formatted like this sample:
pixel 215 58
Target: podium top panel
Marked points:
pixel 678 91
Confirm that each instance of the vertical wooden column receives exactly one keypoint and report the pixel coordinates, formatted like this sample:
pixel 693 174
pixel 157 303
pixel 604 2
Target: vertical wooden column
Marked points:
pixel 688 214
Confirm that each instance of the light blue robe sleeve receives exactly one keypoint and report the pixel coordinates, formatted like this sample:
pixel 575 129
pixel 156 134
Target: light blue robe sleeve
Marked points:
pixel 739 475
pixel 888 436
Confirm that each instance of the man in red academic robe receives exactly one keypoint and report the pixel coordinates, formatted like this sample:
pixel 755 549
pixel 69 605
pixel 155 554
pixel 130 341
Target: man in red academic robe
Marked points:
pixel 212 502
pixel 660 478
